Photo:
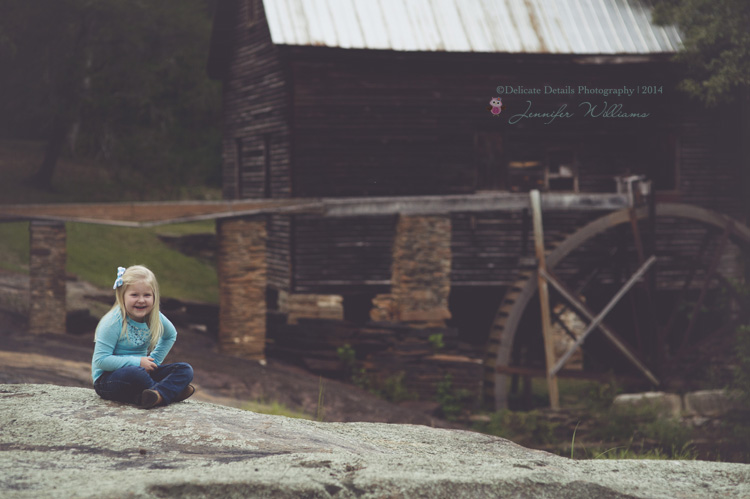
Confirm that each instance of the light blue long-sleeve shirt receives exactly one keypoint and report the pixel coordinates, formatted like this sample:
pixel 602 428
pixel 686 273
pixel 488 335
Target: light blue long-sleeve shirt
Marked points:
pixel 113 351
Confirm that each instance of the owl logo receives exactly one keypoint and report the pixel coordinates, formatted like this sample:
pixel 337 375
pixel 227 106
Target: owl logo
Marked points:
pixel 496 106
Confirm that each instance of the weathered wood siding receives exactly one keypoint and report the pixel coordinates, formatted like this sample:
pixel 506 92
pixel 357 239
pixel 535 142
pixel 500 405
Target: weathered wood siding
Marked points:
pixel 339 255
pixel 372 123
pixel 279 252
pixel 490 248
pixel 334 122
pixel 710 162
pixel 256 145
pixel 380 123
pixel 256 113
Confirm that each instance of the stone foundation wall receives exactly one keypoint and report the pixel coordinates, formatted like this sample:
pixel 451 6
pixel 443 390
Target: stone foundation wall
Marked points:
pixel 48 255
pixel 420 277
pixel 241 263
pixel 310 306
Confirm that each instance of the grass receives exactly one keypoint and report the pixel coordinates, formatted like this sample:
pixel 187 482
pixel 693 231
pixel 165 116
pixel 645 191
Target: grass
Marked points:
pixel 275 409
pixel 684 453
pixel 95 252
pixel 594 429
pixel 14 246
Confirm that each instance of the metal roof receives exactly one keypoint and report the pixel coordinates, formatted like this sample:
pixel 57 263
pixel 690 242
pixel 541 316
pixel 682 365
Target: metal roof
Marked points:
pixel 510 26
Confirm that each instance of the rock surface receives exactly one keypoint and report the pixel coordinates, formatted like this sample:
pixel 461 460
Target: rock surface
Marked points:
pixel 66 442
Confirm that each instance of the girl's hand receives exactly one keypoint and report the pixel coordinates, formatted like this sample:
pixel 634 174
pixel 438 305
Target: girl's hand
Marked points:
pixel 148 364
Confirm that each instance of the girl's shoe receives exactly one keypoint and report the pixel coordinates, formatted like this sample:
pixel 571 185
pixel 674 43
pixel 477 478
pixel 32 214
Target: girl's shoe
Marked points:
pixel 185 394
pixel 149 399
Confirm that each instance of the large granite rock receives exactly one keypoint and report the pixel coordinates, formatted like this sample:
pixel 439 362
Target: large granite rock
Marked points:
pixel 66 442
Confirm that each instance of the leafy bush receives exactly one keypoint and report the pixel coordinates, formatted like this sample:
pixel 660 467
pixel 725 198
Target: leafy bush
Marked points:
pixel 436 341
pixel 392 388
pixel 452 401
pixel 642 424
pixel 348 357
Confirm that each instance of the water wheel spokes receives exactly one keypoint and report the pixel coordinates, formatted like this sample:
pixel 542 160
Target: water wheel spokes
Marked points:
pixel 690 244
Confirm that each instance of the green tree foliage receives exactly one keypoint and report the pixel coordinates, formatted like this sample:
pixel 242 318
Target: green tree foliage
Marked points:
pixel 120 80
pixel 716 49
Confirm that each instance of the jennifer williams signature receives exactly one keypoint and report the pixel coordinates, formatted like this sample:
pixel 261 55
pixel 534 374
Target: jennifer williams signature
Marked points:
pixel 590 111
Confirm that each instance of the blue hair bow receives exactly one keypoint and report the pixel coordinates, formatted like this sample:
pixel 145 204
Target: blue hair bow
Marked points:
pixel 118 281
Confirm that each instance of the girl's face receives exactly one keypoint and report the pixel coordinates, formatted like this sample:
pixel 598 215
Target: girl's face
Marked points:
pixel 139 301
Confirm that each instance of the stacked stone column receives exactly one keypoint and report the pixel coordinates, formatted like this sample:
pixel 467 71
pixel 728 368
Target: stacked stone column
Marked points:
pixel 420 273
pixel 48 255
pixel 242 286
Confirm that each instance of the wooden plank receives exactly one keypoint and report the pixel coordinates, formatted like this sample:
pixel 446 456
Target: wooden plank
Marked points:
pixel 563 373
pixel 549 347
pixel 149 214
pixel 548 276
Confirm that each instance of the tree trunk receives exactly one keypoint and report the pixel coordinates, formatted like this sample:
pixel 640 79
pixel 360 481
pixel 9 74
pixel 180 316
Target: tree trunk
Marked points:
pixel 43 177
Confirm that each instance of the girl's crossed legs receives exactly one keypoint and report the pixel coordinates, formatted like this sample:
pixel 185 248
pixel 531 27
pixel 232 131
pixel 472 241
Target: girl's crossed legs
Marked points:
pixel 127 383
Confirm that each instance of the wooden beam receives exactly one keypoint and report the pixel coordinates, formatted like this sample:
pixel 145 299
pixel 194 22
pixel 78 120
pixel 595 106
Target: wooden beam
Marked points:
pixel 548 276
pixel 500 201
pixel 564 373
pixel 150 214
pixel 549 347
pixel 599 318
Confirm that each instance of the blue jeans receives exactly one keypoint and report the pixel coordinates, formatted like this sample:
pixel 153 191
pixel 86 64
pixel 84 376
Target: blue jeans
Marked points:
pixel 127 383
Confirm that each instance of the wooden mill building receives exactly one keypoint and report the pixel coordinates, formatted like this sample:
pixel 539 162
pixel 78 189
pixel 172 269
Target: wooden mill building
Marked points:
pixel 374 101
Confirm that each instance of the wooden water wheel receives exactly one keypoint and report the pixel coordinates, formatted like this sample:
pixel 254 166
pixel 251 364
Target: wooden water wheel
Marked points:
pixel 683 301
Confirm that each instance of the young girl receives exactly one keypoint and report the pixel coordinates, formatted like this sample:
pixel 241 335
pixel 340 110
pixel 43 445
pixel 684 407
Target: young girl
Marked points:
pixel 132 340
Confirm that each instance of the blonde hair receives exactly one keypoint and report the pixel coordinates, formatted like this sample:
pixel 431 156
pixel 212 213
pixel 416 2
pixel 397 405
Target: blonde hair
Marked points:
pixel 132 275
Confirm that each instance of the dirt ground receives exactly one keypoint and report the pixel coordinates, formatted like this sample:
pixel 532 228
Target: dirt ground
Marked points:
pixel 65 359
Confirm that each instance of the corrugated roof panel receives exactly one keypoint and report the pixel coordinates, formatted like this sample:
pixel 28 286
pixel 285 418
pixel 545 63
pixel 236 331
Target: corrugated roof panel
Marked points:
pixel 567 18
pixel 510 26
pixel 673 35
pixel 295 14
pixel 322 29
pixel 450 26
pixel 665 37
pixel 643 20
pixel 582 27
pixel 520 19
pixel 626 37
pixel 470 24
pixel 275 18
pixel 504 33
pixel 549 29
pixel 347 25
pixel 424 33
pixel 608 24
pixel 372 23
pixel 399 26
pixel 628 16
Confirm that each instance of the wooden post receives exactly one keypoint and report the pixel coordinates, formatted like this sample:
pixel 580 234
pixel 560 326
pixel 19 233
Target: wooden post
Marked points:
pixel 549 348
